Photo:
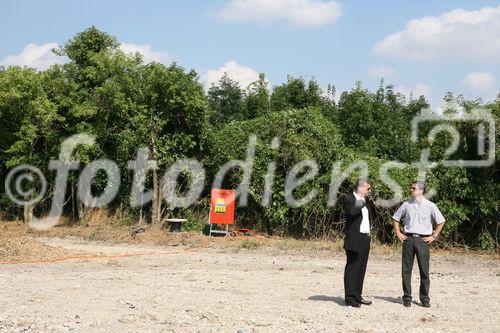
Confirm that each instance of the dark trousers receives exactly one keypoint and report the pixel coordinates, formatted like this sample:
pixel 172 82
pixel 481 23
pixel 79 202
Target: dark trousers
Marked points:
pixel 416 246
pixel 355 268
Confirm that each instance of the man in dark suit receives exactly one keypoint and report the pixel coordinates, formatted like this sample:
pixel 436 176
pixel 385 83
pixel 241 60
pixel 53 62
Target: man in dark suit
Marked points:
pixel 356 243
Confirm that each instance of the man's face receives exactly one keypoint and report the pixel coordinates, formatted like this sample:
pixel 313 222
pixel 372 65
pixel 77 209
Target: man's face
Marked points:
pixel 365 190
pixel 415 191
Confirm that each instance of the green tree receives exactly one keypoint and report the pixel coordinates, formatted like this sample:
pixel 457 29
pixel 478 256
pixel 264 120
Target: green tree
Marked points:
pixel 296 94
pixel 257 100
pixel 226 100
pixel 27 125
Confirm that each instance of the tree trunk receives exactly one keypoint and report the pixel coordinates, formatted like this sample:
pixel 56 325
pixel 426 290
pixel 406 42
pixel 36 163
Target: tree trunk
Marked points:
pixel 160 199
pixel 81 210
pixel 73 202
pixel 156 203
pixel 28 213
pixel 28 208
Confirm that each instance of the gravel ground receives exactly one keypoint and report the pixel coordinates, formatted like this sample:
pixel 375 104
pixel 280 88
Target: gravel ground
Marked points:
pixel 182 289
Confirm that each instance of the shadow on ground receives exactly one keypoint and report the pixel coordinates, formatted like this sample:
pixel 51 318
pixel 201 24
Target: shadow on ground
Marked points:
pixel 325 298
pixel 390 299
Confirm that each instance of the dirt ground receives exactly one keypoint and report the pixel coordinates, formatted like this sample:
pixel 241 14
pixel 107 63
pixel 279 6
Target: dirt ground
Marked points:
pixel 152 288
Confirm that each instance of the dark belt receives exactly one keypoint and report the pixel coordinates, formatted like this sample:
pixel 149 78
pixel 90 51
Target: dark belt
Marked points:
pixel 415 235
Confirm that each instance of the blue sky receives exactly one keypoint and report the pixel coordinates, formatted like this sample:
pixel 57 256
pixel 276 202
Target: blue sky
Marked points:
pixel 449 45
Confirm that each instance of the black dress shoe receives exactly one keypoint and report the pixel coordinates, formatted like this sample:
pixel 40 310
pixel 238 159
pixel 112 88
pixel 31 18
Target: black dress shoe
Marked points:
pixel 407 303
pixel 363 301
pixel 353 304
pixel 426 304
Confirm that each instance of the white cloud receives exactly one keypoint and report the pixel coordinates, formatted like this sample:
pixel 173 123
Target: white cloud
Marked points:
pixel 147 54
pixel 242 74
pixel 40 57
pixel 458 33
pixel 304 13
pixel 382 71
pixel 479 82
pixel 419 89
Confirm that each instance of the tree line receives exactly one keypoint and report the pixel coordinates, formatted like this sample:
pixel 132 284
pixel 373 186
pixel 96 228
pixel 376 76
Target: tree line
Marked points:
pixel 127 104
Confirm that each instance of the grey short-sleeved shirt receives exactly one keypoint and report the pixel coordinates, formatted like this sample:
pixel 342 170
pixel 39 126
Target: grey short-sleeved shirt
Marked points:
pixel 418 217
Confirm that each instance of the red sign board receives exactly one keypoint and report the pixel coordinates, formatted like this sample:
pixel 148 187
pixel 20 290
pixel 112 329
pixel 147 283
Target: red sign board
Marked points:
pixel 222 206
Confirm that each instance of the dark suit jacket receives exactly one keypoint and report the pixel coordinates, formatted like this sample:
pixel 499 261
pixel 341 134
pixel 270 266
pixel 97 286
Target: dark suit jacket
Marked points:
pixel 353 238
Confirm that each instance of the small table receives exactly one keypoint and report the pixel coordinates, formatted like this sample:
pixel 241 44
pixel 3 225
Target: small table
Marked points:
pixel 175 224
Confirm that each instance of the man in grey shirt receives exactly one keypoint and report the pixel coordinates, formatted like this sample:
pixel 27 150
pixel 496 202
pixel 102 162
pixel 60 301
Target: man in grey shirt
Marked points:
pixel 418 214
